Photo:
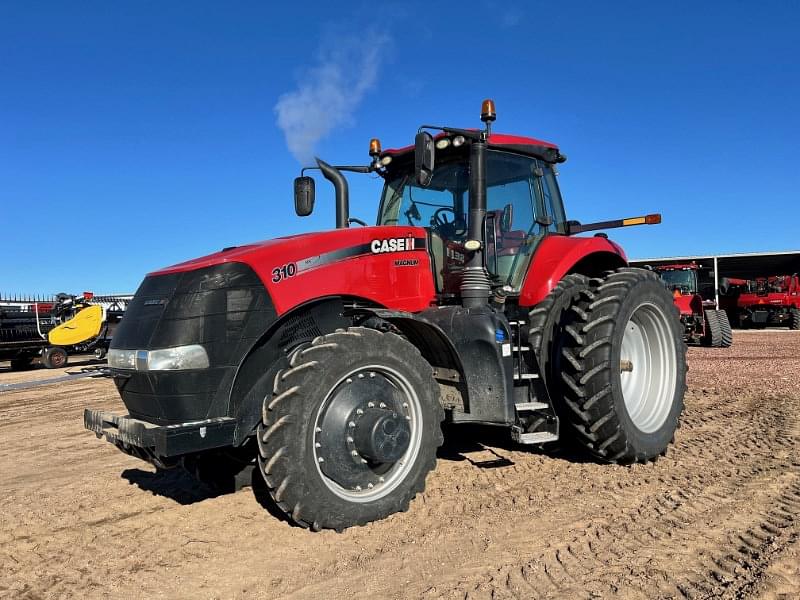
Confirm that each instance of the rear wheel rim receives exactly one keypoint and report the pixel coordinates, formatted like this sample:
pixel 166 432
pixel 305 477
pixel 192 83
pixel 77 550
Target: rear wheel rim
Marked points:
pixel 386 477
pixel 648 367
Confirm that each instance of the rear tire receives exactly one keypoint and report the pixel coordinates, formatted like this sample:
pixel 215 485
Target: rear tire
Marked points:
pixel 726 333
pixel 624 367
pixel 713 330
pixel 54 357
pixel 346 387
pixel 794 321
pixel 546 323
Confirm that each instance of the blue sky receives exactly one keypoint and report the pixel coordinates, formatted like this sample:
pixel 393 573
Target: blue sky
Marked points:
pixel 134 135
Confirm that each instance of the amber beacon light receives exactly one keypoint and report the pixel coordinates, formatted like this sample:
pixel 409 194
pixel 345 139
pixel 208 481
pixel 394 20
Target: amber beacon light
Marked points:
pixel 488 112
pixel 374 147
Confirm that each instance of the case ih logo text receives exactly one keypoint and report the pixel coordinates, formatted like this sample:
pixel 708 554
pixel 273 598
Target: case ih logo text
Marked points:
pixel 392 245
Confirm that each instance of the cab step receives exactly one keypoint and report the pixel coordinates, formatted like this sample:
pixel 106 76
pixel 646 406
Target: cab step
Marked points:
pixel 537 437
pixel 520 376
pixel 525 406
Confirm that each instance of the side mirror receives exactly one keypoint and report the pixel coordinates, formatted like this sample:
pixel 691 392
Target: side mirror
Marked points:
pixel 507 218
pixel 303 196
pixel 424 151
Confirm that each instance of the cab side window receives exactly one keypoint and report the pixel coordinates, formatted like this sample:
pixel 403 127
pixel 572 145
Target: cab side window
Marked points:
pixel 551 198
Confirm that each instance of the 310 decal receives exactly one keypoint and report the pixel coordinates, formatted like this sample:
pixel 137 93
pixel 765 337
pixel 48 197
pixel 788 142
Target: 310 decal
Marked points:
pixel 284 272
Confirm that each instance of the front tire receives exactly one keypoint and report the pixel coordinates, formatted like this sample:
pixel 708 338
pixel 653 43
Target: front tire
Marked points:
pixel 624 368
pixel 351 429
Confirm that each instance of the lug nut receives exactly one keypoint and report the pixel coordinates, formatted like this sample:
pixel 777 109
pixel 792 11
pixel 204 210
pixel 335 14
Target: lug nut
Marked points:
pixel 370 405
pixel 358 488
pixel 320 459
pixel 349 439
pixel 371 375
pixel 382 405
pixel 351 424
pixel 318 430
pixel 354 453
pixel 318 445
pixel 405 404
pixel 349 380
pixel 359 411
pixel 361 376
pixel 381 479
pixel 370 486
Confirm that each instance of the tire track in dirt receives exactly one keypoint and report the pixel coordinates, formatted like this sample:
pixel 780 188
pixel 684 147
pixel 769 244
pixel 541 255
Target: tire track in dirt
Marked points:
pixel 696 526
pixel 697 484
pixel 717 516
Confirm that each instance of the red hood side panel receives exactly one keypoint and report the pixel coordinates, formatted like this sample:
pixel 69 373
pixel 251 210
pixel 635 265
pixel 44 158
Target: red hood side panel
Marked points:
pixel 554 258
pixel 386 265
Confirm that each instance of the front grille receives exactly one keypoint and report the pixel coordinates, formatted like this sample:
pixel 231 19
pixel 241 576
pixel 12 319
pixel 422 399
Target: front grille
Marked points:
pixel 225 308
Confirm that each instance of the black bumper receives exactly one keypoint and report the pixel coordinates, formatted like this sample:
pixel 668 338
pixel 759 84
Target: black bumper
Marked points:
pixel 147 440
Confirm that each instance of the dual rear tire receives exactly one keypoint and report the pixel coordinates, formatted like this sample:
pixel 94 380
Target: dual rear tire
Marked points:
pixel 612 353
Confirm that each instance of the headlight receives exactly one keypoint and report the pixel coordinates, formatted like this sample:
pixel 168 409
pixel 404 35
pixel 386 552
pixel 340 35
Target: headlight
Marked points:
pixel 193 356
pixel 173 359
pixel 122 359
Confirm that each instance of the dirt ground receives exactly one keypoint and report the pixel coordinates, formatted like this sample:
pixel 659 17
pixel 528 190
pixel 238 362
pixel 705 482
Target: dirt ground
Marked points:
pixel 718 516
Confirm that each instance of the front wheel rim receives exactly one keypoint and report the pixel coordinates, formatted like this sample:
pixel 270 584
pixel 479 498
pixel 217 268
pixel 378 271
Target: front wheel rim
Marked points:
pixel 381 479
pixel 648 367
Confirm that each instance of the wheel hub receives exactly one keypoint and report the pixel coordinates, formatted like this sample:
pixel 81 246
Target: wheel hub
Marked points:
pixel 364 434
pixel 382 435
pixel 648 368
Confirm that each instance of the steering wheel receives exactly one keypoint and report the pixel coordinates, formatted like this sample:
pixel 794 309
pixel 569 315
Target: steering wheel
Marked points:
pixel 448 228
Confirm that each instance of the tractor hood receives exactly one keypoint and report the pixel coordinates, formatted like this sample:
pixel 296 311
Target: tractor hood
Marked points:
pixel 388 265
pixel 220 305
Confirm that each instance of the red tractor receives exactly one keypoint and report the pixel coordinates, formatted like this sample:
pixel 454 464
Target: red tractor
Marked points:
pixel 328 361
pixel 702 323
pixel 770 301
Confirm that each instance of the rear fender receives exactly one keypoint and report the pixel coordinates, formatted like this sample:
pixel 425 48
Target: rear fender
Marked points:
pixel 559 255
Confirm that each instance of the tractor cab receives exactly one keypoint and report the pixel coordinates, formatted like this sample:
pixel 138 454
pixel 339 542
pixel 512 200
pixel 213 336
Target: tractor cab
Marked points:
pixel 681 280
pixel 523 204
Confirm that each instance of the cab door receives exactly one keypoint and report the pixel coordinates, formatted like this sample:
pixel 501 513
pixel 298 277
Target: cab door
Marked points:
pixel 523 205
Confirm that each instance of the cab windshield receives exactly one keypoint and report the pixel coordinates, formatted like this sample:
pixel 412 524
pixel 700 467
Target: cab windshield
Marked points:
pixel 683 280
pixel 519 190
pixel 526 183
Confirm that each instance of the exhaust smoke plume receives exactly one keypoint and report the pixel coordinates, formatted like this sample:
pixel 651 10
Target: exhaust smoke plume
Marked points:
pixel 329 93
